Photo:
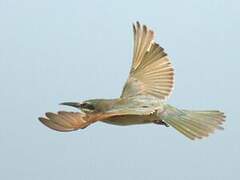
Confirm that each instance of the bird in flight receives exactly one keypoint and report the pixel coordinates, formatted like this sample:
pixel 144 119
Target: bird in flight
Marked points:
pixel 143 98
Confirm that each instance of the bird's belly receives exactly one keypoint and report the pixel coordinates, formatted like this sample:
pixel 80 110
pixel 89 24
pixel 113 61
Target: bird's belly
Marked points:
pixel 130 120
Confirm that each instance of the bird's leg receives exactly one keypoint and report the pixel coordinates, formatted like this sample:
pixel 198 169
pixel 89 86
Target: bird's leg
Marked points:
pixel 160 122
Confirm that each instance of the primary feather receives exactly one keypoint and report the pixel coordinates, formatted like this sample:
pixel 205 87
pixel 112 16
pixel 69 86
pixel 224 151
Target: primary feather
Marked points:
pixel 151 72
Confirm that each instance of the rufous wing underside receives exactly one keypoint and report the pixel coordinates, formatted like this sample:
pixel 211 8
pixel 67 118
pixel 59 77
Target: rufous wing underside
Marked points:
pixel 65 121
pixel 70 121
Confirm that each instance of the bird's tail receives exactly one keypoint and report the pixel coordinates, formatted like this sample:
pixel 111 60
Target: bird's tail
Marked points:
pixel 193 124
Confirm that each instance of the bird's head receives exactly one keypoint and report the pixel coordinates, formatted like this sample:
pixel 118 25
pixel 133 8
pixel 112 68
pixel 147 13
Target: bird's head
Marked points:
pixel 92 105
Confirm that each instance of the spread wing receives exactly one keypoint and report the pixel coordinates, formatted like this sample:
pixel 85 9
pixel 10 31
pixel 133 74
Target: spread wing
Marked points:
pixel 69 121
pixel 151 72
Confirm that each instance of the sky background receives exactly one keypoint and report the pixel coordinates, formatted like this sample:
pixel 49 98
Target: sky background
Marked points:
pixel 55 51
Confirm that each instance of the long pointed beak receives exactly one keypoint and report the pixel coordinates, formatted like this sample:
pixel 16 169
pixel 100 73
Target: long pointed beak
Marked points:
pixel 73 104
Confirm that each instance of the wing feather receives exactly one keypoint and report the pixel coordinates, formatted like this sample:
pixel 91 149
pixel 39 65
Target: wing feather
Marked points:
pixel 70 121
pixel 151 72
pixel 67 121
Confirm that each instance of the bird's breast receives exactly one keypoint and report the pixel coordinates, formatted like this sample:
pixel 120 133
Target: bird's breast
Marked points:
pixel 130 120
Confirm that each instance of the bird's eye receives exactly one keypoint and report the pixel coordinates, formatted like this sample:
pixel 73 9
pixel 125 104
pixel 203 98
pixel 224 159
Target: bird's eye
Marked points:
pixel 87 106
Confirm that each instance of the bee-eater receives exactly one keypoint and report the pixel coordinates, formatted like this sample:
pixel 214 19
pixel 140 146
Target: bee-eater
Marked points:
pixel 143 99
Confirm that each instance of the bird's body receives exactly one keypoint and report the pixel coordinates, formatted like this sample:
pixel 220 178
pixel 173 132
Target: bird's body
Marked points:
pixel 143 99
pixel 133 110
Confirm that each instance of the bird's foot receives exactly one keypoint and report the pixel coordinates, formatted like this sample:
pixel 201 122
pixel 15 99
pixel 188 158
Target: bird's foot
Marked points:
pixel 161 122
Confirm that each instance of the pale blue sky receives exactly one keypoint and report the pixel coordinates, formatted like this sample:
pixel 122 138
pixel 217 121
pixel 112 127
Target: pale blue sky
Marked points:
pixel 54 51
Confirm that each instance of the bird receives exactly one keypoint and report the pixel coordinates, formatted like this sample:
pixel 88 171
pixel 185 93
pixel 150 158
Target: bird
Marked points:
pixel 143 99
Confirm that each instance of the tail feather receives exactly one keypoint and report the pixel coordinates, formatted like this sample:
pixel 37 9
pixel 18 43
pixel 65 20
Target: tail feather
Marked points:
pixel 193 124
